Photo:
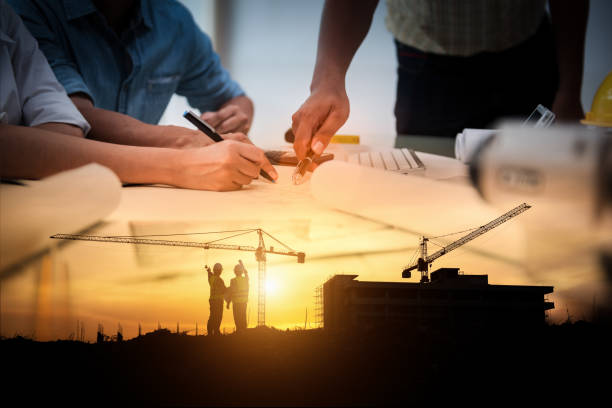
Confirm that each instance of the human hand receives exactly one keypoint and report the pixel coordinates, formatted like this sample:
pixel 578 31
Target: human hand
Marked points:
pixel 223 166
pixel 184 138
pixel 241 137
pixel 318 119
pixel 228 119
pixel 237 136
pixel 243 268
pixel 178 137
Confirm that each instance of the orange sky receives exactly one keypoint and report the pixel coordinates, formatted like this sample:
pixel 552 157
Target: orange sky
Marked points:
pixel 111 284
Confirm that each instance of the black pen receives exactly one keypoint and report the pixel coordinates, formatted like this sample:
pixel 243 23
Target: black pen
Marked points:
pixel 212 133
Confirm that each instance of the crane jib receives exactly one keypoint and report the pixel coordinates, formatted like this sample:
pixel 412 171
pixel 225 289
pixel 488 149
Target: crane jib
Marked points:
pixel 474 234
pixel 142 241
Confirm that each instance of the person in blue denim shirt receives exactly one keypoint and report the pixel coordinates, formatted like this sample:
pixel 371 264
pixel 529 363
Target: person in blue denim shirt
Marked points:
pixel 42 132
pixel 121 62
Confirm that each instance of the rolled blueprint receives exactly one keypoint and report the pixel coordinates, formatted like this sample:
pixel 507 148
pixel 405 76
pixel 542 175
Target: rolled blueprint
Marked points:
pixel 468 141
pixel 67 202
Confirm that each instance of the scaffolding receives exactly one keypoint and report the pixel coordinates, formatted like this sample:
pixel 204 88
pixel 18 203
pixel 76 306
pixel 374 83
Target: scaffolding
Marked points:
pixel 319 307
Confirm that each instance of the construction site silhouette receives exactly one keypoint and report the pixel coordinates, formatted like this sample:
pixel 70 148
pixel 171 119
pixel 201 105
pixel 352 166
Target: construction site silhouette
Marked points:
pixel 451 337
pixel 268 367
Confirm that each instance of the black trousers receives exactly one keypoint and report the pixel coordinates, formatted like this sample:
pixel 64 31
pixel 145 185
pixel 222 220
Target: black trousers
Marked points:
pixel 216 314
pixel 240 318
pixel 440 95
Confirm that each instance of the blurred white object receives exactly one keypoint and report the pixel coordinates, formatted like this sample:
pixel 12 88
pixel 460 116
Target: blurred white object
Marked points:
pixel 467 142
pixel 565 173
pixel 562 168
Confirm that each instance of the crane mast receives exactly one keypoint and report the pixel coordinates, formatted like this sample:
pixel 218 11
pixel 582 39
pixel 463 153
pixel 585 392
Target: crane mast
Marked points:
pixel 425 261
pixel 260 255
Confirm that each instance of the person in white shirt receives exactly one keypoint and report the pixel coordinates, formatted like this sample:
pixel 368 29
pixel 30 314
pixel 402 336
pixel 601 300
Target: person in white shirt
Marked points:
pixel 29 93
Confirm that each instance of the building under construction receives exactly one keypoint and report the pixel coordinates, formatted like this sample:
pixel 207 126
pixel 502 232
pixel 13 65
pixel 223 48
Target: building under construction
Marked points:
pixel 450 300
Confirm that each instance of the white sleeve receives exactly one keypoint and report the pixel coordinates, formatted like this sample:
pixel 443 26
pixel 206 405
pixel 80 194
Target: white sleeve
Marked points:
pixel 42 97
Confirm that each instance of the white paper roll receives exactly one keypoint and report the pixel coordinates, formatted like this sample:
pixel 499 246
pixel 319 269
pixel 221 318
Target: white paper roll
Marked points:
pixel 67 202
pixel 468 141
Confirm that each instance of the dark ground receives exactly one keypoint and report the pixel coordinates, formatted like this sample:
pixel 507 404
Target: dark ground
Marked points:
pixel 264 367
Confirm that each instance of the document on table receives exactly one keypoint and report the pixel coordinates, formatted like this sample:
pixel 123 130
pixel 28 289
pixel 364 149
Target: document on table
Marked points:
pixel 407 201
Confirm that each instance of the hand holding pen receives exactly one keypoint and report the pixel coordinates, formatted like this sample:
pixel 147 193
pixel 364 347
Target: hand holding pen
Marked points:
pixel 254 156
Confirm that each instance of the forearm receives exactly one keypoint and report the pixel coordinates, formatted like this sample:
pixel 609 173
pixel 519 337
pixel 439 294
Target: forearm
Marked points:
pixel 32 153
pixel 62 128
pixel 113 127
pixel 344 25
pixel 569 19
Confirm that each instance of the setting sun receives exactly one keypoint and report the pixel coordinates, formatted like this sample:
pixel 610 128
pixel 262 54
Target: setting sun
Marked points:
pixel 271 286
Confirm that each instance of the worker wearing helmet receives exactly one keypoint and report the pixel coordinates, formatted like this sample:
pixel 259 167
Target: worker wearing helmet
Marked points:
pixel 217 292
pixel 239 294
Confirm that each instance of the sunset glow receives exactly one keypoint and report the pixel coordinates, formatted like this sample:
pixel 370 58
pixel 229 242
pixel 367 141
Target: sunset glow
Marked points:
pixel 272 286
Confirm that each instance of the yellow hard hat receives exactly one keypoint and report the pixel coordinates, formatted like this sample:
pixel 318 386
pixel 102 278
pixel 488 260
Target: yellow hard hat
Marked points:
pixel 601 109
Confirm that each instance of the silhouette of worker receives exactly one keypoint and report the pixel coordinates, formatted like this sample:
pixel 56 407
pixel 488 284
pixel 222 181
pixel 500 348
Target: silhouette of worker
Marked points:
pixel 217 292
pixel 239 294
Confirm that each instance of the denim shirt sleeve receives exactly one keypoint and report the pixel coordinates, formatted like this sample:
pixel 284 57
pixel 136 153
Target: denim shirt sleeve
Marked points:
pixel 42 98
pixel 63 66
pixel 206 84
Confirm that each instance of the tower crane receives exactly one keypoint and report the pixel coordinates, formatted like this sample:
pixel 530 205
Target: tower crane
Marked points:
pixel 424 261
pixel 260 253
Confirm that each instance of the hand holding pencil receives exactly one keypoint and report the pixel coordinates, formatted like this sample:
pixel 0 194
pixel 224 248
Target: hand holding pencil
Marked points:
pixel 315 123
